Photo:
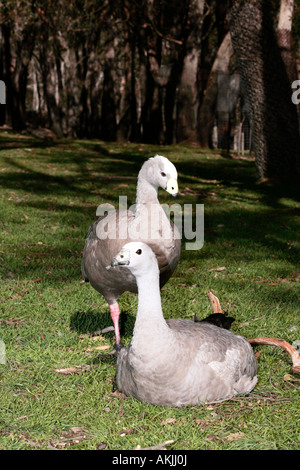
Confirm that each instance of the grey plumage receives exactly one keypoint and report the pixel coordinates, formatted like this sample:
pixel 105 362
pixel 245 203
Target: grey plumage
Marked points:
pixel 148 223
pixel 177 361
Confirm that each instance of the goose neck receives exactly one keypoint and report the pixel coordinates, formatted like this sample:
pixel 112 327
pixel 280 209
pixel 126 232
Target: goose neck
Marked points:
pixel 149 313
pixel 146 193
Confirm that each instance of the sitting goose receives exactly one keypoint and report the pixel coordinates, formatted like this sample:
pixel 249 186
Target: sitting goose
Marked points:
pixel 177 362
pixel 149 224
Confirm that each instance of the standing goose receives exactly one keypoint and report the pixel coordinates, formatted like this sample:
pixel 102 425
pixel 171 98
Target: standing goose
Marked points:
pixel 148 223
pixel 177 362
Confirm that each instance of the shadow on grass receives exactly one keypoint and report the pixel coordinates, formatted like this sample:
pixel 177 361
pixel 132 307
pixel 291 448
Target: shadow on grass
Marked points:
pixel 89 322
pixel 112 167
pixel 97 165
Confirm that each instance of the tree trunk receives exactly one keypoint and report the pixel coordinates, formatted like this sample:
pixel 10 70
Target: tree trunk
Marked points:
pixel 49 89
pixel 207 111
pixel 16 79
pixel 108 111
pixel 151 115
pixel 127 126
pixel 188 97
pixel 285 38
pixel 285 42
pixel 264 77
pixel 2 79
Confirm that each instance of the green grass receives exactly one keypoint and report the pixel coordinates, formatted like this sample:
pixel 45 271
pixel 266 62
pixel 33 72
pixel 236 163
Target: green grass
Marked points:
pixel 49 195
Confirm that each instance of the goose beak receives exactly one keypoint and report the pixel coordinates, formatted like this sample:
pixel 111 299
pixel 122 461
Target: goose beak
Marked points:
pixel 121 259
pixel 172 187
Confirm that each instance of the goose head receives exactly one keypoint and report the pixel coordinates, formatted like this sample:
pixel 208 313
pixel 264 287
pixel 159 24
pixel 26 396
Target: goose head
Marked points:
pixel 160 173
pixel 136 256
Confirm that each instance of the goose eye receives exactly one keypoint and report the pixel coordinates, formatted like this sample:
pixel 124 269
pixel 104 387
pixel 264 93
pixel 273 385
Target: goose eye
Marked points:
pixel 163 174
pixel 139 252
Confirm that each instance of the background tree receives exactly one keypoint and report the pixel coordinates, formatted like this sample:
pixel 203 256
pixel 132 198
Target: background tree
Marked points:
pixel 148 70
pixel 207 111
pixel 188 92
pixel 267 87
pixel 18 29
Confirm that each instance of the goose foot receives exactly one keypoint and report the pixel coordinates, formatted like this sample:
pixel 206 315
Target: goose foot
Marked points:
pixel 117 348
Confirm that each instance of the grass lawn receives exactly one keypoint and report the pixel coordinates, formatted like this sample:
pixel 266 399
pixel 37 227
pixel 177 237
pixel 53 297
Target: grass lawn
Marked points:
pixel 48 199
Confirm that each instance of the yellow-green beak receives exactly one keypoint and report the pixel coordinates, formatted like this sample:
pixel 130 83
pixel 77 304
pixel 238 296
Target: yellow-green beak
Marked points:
pixel 172 187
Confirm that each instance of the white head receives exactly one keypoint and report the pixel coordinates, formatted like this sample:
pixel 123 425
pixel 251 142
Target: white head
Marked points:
pixel 161 173
pixel 136 256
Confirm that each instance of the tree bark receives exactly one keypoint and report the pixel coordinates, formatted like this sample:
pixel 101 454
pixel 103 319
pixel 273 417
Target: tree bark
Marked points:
pixel 285 42
pixel 48 73
pixel 17 56
pixel 207 111
pixel 188 96
pixel 128 126
pixel 152 112
pixel 265 80
pixel 108 111
pixel 285 38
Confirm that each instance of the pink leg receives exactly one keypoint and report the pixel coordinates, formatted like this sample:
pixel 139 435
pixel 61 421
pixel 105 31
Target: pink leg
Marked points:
pixel 115 313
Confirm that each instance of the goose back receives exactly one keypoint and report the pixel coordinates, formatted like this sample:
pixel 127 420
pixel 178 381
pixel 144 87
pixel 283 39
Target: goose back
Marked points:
pixel 202 363
pixel 99 251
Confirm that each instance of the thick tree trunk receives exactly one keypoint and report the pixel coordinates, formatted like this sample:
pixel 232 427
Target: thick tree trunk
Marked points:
pixel 151 116
pixel 49 90
pixel 16 78
pixel 108 111
pixel 127 126
pixel 152 109
pixel 264 77
pixel 285 38
pixel 207 111
pixel 285 42
pixel 2 79
pixel 188 95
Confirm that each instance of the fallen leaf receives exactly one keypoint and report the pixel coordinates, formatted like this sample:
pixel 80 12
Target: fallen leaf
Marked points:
pixel 221 268
pixel 202 422
pixel 72 370
pixel 211 437
pixel 117 394
pixel 125 432
pixel 98 348
pixel 291 378
pixel 190 191
pixel 75 435
pixel 101 446
pixel 77 429
pixel 107 329
pixel 23 417
pixel 235 436
pixel 13 322
pixel 168 421
pixel 97 338
pixel 161 446
pixel 296 275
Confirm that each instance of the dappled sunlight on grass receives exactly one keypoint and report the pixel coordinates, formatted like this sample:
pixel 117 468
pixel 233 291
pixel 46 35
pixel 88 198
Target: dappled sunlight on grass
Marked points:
pixel 250 259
